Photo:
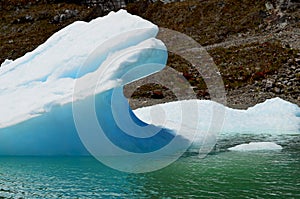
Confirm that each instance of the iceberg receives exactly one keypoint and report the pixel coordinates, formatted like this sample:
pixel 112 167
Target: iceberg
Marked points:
pixel 274 116
pixel 37 89
pixel 55 99
pixel 256 146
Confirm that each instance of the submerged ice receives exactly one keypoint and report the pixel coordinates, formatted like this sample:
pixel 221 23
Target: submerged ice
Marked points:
pixel 37 94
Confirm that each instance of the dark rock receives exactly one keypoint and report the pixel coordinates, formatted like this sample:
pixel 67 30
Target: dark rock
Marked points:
pixel 277 90
pixel 269 83
pixel 282 19
pixel 66 15
pixel 269 6
pixel 62 17
pixel 71 13
pixel 56 19
pixel 24 19
pixel 263 14
pixel 157 94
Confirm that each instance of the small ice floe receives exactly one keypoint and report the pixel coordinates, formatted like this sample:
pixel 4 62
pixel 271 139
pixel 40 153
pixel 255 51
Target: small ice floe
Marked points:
pixel 256 146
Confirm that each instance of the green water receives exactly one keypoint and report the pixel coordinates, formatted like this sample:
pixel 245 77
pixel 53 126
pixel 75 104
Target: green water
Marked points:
pixel 222 174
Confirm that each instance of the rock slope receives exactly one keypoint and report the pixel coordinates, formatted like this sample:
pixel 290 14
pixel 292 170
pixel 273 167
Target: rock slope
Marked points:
pixel 254 44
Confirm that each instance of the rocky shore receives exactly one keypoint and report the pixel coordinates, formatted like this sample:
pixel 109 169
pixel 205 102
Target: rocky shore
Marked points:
pixel 256 46
pixel 257 61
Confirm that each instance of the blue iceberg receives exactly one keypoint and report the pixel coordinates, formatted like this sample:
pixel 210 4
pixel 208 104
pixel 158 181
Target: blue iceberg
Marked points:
pixel 41 89
pixel 56 99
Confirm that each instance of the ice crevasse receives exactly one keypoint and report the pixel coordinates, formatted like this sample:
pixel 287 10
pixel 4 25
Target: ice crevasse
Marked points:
pixel 37 94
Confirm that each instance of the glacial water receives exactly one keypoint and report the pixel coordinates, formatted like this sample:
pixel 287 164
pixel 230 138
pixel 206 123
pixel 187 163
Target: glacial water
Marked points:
pixel 260 174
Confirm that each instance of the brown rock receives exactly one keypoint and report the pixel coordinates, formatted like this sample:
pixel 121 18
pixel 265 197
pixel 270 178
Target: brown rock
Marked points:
pixel 157 94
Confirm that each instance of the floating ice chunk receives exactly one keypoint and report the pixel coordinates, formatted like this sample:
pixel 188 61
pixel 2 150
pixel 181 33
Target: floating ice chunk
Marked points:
pixel 256 146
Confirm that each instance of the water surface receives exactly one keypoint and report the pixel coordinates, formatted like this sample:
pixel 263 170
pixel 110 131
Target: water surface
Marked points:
pixel 264 174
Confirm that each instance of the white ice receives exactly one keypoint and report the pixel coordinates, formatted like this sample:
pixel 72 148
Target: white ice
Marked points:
pixel 256 146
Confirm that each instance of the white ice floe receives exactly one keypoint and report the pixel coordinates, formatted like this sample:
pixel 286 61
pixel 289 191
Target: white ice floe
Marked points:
pixel 256 146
